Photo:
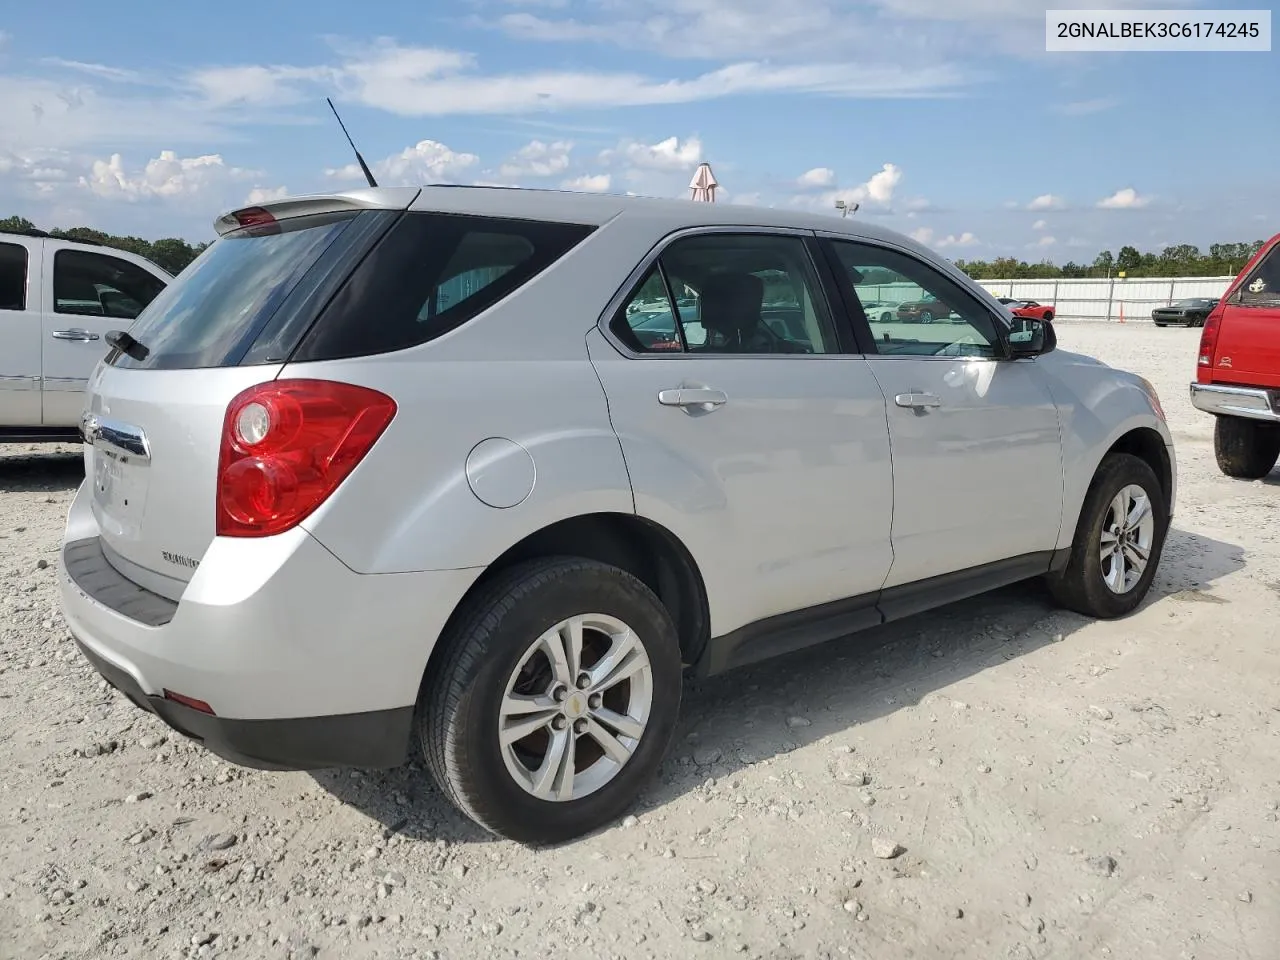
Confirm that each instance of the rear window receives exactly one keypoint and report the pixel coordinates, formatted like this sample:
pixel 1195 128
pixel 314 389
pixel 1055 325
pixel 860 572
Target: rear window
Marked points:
pixel 430 274
pixel 218 306
pixel 1261 288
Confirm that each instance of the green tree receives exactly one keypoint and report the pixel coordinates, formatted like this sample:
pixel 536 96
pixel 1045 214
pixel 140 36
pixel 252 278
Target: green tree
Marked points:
pixel 1128 259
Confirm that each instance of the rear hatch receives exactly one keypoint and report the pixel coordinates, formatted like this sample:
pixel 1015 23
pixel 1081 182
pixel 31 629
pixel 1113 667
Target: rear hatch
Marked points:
pixel 1247 351
pixel 156 404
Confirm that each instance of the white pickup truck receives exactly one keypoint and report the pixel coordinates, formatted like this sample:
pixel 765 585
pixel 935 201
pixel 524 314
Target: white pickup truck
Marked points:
pixel 58 299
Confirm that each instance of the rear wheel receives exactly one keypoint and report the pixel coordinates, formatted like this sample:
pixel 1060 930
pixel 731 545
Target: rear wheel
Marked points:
pixel 554 699
pixel 1048 316
pixel 1119 539
pixel 926 317
pixel 1246 449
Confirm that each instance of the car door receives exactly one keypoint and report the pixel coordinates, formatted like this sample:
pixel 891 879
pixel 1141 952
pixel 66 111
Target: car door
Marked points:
pixel 1248 348
pixel 758 437
pixel 87 293
pixel 19 332
pixel 977 459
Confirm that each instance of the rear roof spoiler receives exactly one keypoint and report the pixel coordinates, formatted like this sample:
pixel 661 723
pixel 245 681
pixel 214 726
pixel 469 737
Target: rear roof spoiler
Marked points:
pixel 381 198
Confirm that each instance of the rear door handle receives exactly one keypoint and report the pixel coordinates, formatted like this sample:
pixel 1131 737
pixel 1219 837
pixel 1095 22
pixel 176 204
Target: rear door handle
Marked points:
pixel 692 397
pixel 918 401
pixel 75 333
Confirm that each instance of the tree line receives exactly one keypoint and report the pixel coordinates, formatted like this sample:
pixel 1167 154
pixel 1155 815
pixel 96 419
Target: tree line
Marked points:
pixel 171 253
pixel 1182 260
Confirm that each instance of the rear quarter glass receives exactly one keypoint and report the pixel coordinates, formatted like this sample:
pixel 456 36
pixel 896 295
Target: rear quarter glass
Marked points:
pixel 430 274
pixel 243 298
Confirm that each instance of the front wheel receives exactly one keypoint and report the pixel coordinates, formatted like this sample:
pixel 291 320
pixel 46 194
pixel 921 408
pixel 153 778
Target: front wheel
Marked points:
pixel 554 699
pixel 1119 539
pixel 1246 449
pixel 926 317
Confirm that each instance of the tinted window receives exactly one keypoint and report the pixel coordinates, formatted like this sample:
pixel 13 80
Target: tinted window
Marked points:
pixel 215 308
pixel 934 316
pixel 1262 286
pixel 13 276
pixel 431 273
pixel 98 285
pixel 736 294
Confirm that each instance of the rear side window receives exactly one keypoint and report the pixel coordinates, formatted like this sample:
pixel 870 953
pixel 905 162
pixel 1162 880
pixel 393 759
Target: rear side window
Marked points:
pixel 1261 288
pixel 214 310
pixel 13 276
pixel 98 285
pixel 430 274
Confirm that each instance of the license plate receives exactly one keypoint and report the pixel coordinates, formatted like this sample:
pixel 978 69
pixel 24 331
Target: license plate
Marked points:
pixel 119 490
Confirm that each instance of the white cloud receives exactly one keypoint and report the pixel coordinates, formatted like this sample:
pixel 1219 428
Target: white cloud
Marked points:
pixel 878 190
pixel 1125 199
pixel 266 194
pixel 817 177
pixel 752 199
pixel 1040 225
pixel 1047 201
pixel 261 85
pixel 425 161
pixel 1083 108
pixel 98 70
pixel 538 159
pixel 965 239
pixel 165 176
pixel 668 154
pixel 1046 241
pixel 589 183
pixel 922 235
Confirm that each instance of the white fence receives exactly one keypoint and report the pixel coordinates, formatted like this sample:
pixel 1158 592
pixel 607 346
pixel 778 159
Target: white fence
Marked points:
pixel 1112 299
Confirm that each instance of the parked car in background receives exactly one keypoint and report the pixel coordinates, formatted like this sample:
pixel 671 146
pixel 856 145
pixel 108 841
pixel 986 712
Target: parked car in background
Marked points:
pixel 1191 312
pixel 58 300
pixel 495 535
pixel 1238 368
pixel 1028 309
pixel 925 310
pixel 878 311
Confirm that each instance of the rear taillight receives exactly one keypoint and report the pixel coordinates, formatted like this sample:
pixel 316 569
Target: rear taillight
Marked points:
pixel 1208 344
pixel 287 445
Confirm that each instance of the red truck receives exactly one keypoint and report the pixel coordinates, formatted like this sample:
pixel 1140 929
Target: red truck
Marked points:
pixel 1238 368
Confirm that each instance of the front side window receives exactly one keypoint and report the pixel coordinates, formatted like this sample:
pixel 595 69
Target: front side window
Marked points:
pixel 723 293
pixel 13 276
pixel 98 285
pixel 934 315
pixel 1261 288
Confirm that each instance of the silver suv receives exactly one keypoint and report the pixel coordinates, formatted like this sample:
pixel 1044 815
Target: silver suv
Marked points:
pixel 399 470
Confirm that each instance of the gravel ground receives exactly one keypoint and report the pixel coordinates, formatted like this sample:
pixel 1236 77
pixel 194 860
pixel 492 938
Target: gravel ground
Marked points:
pixel 997 779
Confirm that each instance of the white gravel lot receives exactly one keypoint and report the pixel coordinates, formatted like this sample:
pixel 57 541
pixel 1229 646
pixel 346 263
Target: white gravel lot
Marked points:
pixel 1061 788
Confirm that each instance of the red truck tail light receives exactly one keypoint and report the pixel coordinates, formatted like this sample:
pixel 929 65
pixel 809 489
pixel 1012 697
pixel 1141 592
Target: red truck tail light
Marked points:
pixel 287 445
pixel 1209 344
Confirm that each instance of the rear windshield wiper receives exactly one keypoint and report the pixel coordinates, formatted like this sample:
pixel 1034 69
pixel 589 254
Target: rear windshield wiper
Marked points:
pixel 124 342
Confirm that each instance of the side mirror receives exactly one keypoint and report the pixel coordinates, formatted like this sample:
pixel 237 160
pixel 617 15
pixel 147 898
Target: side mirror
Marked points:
pixel 1032 338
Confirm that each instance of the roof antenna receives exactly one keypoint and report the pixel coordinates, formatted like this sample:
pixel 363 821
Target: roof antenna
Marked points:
pixel 368 175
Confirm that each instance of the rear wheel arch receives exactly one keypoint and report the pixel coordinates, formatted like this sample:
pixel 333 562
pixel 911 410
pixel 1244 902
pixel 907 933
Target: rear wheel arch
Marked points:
pixel 647 550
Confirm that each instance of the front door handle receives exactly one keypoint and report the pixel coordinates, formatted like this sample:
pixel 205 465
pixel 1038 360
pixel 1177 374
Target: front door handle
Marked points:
pixel 75 333
pixel 692 397
pixel 918 401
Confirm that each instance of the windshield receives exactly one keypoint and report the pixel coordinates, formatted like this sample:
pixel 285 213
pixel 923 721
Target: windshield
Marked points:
pixel 210 315
pixel 1193 302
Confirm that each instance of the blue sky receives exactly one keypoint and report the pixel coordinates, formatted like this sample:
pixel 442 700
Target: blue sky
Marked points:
pixel 944 118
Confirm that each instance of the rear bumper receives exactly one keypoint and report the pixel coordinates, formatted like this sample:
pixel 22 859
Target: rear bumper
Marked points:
pixel 378 738
pixel 304 662
pixel 1253 403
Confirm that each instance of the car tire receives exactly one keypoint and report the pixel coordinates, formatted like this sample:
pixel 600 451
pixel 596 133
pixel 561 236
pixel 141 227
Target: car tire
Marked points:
pixel 886 317
pixel 1246 449
pixel 926 317
pixel 1088 585
pixel 502 635
pixel 1161 325
pixel 1048 316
